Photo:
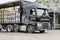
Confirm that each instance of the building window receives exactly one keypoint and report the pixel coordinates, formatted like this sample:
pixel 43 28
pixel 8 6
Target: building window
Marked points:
pixel 56 1
pixel 46 0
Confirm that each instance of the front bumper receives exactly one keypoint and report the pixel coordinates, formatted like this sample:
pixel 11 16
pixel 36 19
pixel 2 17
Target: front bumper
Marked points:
pixel 43 26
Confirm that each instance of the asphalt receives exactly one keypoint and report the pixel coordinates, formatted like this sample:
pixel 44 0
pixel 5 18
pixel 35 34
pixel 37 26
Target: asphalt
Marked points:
pixel 48 35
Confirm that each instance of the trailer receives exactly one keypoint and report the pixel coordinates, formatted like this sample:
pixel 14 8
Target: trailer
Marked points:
pixel 29 17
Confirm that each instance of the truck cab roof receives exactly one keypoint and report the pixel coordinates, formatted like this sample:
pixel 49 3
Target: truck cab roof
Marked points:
pixel 30 5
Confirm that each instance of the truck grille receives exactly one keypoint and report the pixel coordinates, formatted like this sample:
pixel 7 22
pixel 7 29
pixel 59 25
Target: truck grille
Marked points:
pixel 45 25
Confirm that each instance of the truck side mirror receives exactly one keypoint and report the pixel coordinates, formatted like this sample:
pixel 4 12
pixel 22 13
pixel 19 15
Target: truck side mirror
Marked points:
pixel 19 10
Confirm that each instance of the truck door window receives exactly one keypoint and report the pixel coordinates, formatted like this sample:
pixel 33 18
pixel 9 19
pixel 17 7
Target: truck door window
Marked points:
pixel 32 11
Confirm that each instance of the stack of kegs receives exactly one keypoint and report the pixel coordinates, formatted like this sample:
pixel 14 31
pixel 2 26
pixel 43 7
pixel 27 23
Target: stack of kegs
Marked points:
pixel 17 14
pixel 10 15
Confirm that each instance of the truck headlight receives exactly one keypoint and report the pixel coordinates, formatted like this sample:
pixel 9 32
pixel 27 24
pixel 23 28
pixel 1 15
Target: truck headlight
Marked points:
pixel 39 24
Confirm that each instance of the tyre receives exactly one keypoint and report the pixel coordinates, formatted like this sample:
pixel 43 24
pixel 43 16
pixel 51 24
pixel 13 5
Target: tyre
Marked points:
pixel 9 28
pixel 42 31
pixel 0 29
pixel 30 29
pixel 16 28
pixel 19 29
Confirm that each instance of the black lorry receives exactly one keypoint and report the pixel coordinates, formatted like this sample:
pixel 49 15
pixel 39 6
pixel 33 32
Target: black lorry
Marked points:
pixel 33 17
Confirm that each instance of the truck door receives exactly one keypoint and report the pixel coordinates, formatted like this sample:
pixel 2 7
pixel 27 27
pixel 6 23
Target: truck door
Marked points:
pixel 32 15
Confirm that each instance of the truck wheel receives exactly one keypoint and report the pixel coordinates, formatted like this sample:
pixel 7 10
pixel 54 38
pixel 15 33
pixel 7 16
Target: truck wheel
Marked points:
pixel 18 29
pixel 0 29
pixel 15 29
pixel 9 28
pixel 30 29
pixel 42 31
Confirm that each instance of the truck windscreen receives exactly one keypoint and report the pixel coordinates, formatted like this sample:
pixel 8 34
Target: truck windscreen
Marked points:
pixel 41 12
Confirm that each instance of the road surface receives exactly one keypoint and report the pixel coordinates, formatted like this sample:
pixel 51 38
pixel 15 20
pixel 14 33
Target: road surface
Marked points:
pixel 48 35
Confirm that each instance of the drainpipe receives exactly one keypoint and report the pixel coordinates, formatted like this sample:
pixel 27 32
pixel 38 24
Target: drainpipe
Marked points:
pixel 54 19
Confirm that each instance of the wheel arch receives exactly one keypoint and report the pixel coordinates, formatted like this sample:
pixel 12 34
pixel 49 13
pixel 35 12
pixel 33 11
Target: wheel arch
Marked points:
pixel 30 24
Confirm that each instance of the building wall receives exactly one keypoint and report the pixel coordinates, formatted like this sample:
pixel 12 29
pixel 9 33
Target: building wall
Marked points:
pixel 49 1
pixel 59 20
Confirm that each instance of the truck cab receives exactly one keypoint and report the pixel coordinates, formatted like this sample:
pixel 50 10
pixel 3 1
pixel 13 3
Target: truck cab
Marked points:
pixel 35 16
